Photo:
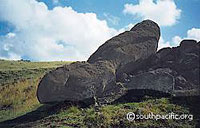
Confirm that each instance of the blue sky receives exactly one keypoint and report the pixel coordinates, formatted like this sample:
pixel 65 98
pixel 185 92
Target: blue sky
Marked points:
pixel 48 30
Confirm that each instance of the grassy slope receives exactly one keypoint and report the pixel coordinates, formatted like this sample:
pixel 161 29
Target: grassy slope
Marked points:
pixel 18 84
pixel 13 71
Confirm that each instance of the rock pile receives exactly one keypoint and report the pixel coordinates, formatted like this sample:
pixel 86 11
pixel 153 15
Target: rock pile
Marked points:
pixel 171 70
pixel 124 65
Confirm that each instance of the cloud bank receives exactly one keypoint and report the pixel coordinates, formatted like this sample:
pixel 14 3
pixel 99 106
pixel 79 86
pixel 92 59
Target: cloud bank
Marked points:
pixel 193 33
pixel 46 35
pixel 164 12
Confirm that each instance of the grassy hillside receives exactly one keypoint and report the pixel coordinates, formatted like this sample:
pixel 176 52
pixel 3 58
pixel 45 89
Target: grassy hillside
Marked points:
pixel 13 71
pixel 18 85
pixel 19 106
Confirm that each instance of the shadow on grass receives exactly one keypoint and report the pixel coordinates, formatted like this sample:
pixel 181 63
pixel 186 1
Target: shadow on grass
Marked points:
pixel 29 119
pixel 35 115
pixel 193 103
pixel 40 113
pixel 139 95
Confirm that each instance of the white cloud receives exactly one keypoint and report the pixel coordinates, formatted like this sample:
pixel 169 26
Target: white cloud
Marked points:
pixel 176 40
pixel 193 33
pixel 164 12
pixel 11 57
pixel 126 28
pixel 55 1
pixel 113 19
pixel 58 34
pixel 163 44
pixel 10 35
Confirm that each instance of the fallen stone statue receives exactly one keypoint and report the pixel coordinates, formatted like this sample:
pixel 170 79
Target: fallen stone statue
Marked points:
pixel 126 66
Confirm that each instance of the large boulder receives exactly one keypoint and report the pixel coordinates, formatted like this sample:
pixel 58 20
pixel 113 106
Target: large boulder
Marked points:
pixel 95 80
pixel 140 42
pixel 126 67
pixel 80 81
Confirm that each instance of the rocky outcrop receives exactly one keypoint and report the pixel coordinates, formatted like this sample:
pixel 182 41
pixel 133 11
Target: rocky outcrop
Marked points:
pixel 180 63
pixel 95 79
pixel 125 67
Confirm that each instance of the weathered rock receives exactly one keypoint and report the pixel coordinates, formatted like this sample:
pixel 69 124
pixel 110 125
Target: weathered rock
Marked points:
pixel 159 80
pixel 126 67
pixel 79 81
pixel 156 83
pixel 182 62
pixel 95 80
pixel 140 42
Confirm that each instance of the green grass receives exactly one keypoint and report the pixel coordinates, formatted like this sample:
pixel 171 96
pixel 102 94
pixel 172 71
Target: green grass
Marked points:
pixel 115 116
pixel 6 65
pixel 18 85
pixel 13 71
